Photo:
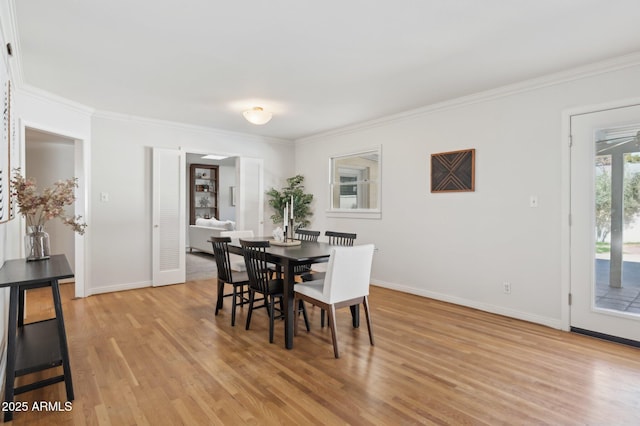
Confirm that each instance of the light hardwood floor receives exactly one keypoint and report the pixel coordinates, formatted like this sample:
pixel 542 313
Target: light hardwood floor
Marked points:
pixel 158 356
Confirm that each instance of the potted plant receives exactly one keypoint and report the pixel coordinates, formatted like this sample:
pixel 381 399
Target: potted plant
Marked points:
pixel 301 202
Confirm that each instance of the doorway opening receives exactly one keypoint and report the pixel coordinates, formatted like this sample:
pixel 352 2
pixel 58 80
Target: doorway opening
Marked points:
pixel 199 259
pixel 50 157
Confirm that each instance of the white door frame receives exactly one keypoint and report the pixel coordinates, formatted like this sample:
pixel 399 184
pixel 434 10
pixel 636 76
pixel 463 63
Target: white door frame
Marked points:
pixel 565 207
pixel 81 170
pixel 241 160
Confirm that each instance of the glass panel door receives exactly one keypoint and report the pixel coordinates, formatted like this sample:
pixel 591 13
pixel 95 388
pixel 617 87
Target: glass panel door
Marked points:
pixel 605 228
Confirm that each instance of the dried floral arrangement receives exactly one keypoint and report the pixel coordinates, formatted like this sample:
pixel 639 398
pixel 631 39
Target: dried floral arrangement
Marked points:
pixel 39 208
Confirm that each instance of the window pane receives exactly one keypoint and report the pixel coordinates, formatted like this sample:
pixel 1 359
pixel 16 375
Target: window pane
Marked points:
pixel 355 181
pixel 359 196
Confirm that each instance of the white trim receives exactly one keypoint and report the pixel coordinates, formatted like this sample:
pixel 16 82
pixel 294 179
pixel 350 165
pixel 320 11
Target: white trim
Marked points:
pixel 202 151
pixel 485 307
pixel 565 228
pixel 119 287
pixel 192 127
pixel 578 73
pixel 57 100
pixel 47 129
pixel 375 213
pixel 11 36
pixel 355 214
pixel 82 170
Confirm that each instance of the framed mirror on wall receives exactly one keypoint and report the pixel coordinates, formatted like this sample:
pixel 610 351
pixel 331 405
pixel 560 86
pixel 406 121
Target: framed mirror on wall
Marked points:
pixel 355 182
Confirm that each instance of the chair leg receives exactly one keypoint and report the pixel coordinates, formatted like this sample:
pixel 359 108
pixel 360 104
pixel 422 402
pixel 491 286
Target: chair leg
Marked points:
pixel 220 296
pixel 304 314
pixel 366 312
pixel 355 315
pixel 334 331
pixel 243 291
pixel 322 318
pixel 251 296
pixel 233 306
pixel 271 320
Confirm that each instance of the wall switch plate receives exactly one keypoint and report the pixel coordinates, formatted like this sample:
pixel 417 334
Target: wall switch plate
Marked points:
pixel 104 197
pixel 533 201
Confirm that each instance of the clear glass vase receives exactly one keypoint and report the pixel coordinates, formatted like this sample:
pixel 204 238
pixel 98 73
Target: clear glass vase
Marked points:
pixel 37 243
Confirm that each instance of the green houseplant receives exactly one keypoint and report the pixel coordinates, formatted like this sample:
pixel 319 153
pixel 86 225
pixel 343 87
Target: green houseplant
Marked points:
pixel 301 202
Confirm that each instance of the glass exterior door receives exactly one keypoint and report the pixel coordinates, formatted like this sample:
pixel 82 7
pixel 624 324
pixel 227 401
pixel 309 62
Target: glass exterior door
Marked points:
pixel 605 216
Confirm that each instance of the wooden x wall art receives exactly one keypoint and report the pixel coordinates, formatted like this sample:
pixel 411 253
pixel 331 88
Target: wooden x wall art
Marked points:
pixel 453 171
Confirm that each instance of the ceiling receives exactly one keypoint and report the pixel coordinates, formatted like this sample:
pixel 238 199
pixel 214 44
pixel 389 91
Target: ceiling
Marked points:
pixel 317 65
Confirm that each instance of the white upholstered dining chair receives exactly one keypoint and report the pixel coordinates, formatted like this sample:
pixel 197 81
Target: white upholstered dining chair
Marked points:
pixel 346 283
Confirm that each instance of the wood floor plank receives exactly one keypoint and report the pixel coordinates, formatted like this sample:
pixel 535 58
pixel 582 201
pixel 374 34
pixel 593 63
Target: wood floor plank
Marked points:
pixel 159 356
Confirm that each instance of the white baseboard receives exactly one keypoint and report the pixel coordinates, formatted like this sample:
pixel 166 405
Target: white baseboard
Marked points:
pixel 486 307
pixel 118 287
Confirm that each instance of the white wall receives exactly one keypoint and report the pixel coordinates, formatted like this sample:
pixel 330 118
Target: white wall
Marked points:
pixel 121 166
pixel 461 247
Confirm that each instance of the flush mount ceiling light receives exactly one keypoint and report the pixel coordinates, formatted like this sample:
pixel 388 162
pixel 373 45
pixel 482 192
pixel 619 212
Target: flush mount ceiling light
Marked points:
pixel 257 115
pixel 214 157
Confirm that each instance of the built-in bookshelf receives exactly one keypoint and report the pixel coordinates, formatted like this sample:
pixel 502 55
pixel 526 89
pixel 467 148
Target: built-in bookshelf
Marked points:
pixel 203 200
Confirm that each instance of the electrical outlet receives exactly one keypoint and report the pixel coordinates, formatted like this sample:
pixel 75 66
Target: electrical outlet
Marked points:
pixel 506 287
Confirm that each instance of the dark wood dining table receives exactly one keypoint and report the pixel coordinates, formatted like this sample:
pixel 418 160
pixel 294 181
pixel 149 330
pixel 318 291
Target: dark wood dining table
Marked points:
pixel 287 257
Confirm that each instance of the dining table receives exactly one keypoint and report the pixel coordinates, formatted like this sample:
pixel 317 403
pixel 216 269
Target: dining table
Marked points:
pixel 286 258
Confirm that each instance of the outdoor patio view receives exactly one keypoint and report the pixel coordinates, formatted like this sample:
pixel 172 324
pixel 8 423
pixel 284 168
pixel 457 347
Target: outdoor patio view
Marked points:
pixel 617 212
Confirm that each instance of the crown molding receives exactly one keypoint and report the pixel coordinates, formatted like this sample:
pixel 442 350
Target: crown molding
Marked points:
pixel 45 96
pixel 92 112
pixel 110 115
pixel 553 79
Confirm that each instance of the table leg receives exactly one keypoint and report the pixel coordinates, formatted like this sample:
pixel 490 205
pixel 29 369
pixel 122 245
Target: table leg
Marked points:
pixel 21 295
pixel 289 314
pixel 64 350
pixel 355 315
pixel 10 372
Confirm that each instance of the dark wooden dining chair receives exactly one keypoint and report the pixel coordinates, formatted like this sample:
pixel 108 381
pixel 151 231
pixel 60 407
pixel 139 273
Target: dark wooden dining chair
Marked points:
pixel 305 235
pixel 238 280
pixel 261 282
pixel 340 238
pixel 337 239
pixel 346 283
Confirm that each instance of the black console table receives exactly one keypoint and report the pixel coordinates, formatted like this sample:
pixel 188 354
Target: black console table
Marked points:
pixel 40 345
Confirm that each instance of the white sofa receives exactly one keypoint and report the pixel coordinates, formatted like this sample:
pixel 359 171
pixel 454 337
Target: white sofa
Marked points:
pixel 204 229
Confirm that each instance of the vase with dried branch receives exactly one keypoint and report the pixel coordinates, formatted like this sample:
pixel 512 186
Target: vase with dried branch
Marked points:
pixel 38 208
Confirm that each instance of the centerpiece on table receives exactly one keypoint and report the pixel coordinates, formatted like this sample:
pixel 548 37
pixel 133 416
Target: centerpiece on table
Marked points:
pixel 39 208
